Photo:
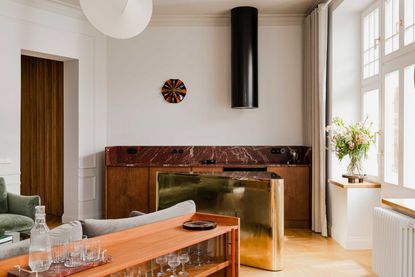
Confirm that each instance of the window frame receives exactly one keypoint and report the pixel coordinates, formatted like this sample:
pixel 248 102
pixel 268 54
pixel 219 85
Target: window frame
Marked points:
pixel 398 60
pixel 373 82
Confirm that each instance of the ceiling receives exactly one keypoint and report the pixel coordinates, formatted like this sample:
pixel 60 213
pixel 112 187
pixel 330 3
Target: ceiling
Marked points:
pixel 218 7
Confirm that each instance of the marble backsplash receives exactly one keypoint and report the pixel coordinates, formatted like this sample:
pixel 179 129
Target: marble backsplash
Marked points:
pixel 205 155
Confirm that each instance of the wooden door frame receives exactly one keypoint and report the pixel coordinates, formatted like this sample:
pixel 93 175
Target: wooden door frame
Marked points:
pixel 71 209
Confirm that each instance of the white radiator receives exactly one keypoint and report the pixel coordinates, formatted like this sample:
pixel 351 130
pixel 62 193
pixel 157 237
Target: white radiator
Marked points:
pixel 393 244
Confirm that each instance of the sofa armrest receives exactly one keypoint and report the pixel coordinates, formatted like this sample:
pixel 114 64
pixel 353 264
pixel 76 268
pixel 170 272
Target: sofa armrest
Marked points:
pixel 23 205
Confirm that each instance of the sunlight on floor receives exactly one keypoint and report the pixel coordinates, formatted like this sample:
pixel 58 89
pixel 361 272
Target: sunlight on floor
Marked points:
pixel 308 254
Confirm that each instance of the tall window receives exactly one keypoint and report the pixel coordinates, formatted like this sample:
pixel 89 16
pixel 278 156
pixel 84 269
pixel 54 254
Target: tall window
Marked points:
pixel 370 44
pixel 392 25
pixel 371 113
pixel 370 80
pixel 392 127
pixel 409 137
pixel 409 21
pixel 388 97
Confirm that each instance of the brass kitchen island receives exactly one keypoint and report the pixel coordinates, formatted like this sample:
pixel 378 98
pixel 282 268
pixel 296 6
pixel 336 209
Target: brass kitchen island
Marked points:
pixel 257 198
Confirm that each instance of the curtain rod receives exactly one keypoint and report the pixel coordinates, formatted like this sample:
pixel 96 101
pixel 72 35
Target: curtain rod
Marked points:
pixel 316 3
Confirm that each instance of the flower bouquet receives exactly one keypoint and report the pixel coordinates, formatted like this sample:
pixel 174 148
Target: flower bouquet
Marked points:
pixel 352 140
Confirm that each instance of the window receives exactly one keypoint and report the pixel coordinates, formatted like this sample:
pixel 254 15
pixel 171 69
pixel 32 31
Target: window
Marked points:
pixel 392 24
pixel 409 21
pixel 388 97
pixel 371 61
pixel 371 113
pixel 370 44
pixel 409 137
pixel 392 127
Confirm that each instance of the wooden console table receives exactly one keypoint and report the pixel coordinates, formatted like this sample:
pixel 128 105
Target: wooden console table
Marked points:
pixel 142 244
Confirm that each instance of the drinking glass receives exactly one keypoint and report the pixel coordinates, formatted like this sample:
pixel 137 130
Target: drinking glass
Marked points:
pixel 75 253
pixel 162 260
pixel 58 250
pixel 173 262
pixel 198 253
pixel 92 251
pixel 184 258
pixel 168 257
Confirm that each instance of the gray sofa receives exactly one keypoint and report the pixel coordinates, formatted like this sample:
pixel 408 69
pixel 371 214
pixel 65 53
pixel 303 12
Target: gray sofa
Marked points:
pixel 17 212
pixel 98 227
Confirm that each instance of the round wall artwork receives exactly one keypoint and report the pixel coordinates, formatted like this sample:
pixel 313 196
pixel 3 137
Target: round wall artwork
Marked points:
pixel 174 91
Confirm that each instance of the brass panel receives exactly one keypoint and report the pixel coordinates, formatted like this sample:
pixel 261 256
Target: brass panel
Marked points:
pixel 259 202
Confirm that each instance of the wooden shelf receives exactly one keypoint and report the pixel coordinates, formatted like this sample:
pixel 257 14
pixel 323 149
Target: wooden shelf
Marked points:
pixel 206 270
pixel 403 205
pixel 344 184
pixel 138 245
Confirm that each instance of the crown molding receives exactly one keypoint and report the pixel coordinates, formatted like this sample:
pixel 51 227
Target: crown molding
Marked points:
pixel 75 11
pixel 224 20
pixel 55 6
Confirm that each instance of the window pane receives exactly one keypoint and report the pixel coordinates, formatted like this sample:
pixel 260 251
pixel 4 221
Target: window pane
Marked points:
pixel 371 112
pixel 392 127
pixel 409 21
pixel 370 44
pixel 409 153
pixel 391 25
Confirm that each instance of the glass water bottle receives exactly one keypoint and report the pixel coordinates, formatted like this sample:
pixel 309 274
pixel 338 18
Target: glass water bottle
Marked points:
pixel 40 256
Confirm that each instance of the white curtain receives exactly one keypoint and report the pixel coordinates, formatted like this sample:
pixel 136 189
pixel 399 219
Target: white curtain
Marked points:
pixel 315 82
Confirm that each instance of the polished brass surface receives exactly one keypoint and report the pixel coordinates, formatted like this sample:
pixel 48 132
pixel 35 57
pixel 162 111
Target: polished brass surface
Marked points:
pixel 257 199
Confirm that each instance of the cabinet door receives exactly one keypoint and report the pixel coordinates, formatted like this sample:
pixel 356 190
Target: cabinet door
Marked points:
pixel 207 169
pixel 296 195
pixel 126 190
pixel 153 182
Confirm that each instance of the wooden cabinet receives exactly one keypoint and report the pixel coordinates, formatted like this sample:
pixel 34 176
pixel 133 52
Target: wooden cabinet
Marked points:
pixel 153 182
pixel 297 205
pixel 126 190
pixel 207 169
pixel 135 188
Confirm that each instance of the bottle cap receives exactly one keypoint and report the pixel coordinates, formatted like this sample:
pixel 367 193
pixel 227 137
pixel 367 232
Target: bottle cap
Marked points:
pixel 40 209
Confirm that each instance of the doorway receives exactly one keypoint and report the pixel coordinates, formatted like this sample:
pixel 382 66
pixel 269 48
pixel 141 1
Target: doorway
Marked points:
pixel 42 131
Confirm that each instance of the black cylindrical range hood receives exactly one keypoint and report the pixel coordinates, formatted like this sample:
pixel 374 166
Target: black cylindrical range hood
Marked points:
pixel 244 24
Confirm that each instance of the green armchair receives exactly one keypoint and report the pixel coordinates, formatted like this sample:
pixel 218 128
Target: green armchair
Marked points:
pixel 17 212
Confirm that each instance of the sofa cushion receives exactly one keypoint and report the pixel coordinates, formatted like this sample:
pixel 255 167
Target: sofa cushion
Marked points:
pixel 67 231
pixel 14 249
pixel 135 213
pixel 15 222
pixel 97 227
pixel 23 205
pixel 71 231
pixel 3 196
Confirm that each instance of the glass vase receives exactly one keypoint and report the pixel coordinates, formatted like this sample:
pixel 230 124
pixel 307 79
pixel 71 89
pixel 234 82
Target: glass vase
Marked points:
pixel 355 166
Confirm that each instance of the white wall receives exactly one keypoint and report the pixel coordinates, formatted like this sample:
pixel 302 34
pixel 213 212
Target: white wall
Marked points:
pixel 24 26
pixel 346 81
pixel 200 56
pixel 345 102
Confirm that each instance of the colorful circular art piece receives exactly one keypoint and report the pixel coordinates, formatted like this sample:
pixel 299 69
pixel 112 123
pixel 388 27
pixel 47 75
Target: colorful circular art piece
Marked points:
pixel 174 91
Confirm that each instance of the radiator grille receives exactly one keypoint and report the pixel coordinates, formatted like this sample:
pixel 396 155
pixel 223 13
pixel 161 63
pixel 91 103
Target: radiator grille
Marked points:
pixel 393 244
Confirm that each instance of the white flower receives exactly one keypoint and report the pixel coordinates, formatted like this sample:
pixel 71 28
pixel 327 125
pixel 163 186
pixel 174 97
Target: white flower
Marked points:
pixel 351 145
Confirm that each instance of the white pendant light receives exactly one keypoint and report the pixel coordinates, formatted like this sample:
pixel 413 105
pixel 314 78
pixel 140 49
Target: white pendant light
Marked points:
pixel 118 18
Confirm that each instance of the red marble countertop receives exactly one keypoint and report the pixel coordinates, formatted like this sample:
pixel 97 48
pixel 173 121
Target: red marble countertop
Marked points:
pixel 198 156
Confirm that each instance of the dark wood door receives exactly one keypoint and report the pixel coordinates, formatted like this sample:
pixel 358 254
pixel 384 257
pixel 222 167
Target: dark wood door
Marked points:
pixel 296 195
pixel 126 190
pixel 41 156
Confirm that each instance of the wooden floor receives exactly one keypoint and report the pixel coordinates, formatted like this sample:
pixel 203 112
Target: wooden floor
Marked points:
pixel 308 254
